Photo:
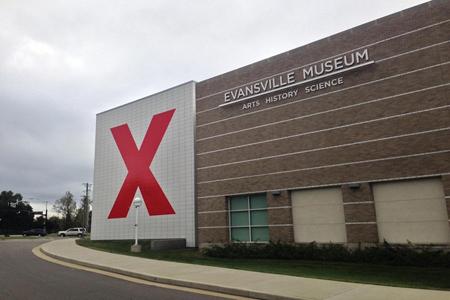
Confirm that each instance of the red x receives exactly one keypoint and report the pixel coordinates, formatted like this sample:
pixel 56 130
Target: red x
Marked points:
pixel 138 163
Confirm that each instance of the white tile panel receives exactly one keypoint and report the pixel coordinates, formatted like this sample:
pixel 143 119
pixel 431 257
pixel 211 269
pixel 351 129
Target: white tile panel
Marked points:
pixel 412 210
pixel 173 167
pixel 318 215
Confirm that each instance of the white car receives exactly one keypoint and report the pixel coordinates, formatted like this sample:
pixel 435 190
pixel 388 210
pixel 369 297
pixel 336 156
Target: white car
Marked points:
pixel 78 231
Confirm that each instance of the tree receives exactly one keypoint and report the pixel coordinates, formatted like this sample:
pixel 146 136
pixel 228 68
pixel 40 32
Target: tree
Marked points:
pixel 85 207
pixel 67 207
pixel 39 222
pixel 79 218
pixel 7 197
pixel 16 215
pixel 54 224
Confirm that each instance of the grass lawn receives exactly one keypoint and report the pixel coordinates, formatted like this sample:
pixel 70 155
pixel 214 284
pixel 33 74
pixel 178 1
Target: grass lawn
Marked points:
pixel 427 278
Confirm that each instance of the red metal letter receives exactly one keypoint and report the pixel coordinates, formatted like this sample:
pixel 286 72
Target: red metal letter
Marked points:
pixel 138 163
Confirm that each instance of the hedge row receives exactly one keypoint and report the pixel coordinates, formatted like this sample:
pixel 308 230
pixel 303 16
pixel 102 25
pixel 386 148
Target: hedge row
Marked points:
pixel 387 254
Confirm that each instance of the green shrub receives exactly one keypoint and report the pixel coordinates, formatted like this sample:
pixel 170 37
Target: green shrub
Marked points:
pixel 386 254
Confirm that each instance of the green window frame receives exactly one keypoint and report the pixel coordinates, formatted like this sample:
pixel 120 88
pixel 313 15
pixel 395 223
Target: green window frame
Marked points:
pixel 248 219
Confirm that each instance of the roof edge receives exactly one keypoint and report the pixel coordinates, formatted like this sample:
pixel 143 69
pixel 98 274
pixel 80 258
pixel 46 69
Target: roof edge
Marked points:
pixel 140 99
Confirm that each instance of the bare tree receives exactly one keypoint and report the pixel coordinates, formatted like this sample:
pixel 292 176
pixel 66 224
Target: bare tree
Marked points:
pixel 66 206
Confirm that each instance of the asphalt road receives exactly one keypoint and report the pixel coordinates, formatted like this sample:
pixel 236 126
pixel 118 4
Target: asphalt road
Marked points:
pixel 25 276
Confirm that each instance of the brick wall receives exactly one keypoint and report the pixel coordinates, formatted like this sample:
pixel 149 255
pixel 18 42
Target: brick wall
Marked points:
pixel 359 211
pixel 386 121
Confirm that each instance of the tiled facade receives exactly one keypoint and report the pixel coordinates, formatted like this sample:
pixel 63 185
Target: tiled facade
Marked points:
pixel 172 166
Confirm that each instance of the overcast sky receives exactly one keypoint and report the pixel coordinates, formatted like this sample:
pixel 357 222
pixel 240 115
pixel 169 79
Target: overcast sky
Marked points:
pixel 61 62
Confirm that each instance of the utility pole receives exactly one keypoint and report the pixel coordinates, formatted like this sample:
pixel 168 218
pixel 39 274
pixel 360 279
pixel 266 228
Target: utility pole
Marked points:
pixel 87 186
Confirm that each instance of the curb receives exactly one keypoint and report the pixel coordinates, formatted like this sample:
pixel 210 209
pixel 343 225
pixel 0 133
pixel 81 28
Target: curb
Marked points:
pixel 171 281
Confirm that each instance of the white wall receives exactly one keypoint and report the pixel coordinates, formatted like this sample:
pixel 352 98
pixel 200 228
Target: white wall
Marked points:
pixel 173 167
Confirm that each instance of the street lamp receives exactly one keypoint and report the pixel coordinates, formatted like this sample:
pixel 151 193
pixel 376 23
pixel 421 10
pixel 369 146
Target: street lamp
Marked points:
pixel 136 247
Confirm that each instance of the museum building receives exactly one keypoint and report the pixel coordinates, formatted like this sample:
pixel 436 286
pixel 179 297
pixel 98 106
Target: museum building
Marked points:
pixel 344 140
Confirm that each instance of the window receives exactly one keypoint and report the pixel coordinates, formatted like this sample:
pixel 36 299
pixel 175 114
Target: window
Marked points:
pixel 248 218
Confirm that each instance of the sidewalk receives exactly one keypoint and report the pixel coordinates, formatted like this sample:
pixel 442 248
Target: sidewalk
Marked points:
pixel 236 282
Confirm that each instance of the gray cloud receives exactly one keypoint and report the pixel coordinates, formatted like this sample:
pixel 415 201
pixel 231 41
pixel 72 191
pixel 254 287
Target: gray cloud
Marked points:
pixel 61 62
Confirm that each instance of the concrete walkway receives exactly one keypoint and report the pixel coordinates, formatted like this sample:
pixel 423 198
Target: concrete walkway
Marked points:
pixel 235 282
